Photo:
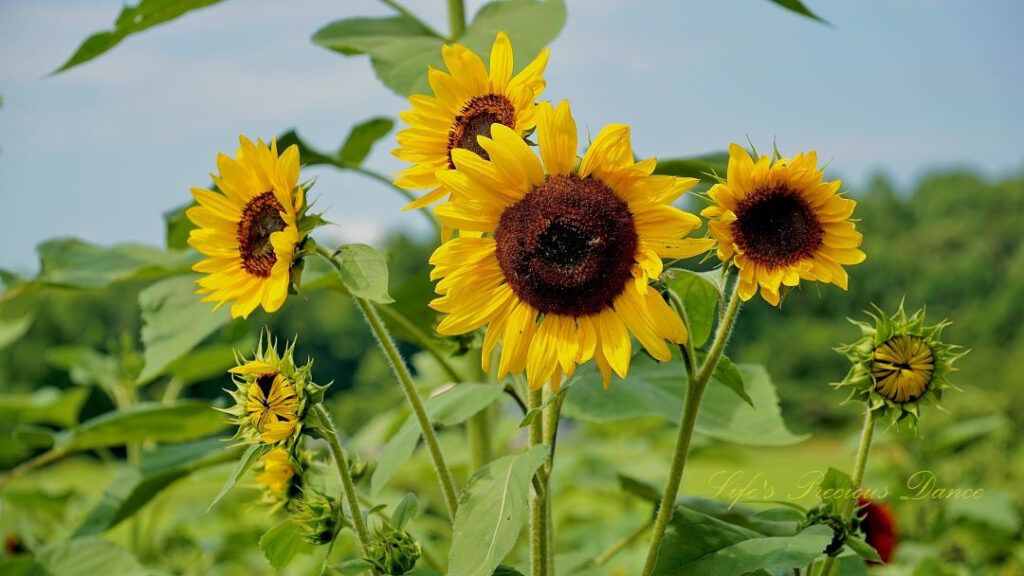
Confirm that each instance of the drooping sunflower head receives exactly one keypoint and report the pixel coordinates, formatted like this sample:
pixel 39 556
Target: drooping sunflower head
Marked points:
pixel 250 228
pixel 555 259
pixel 277 474
pixel 467 101
pixel 779 222
pixel 899 364
pixel 271 395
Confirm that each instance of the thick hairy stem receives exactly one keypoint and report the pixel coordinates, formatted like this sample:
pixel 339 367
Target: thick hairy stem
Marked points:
pixel 539 499
pixel 684 434
pixel 456 18
pixel 348 487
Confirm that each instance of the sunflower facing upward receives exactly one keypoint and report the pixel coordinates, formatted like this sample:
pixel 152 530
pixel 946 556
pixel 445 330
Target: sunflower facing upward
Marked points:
pixel 779 223
pixel 467 101
pixel 558 264
pixel 249 230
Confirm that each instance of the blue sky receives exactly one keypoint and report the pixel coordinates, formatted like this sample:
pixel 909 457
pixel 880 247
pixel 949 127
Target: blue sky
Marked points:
pixel 101 151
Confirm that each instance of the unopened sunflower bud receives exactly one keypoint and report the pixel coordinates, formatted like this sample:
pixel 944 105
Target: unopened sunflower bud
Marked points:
pixel 316 516
pixel 899 364
pixel 392 551
pixel 271 395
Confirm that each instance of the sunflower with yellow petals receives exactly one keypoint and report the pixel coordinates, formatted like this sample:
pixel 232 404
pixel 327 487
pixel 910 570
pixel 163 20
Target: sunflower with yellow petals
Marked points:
pixel 556 259
pixel 277 473
pixel 780 222
pixel 467 101
pixel 250 229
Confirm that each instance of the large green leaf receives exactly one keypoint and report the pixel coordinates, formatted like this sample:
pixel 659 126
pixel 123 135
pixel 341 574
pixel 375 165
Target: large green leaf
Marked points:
pixel 132 488
pixel 697 544
pixel 492 511
pixel 12 330
pixel 85 366
pixel 699 298
pixel 206 362
pixel 180 422
pixel 362 138
pixel 46 405
pixel 658 389
pixel 86 557
pixel 249 457
pixel 175 320
pixel 178 227
pixel 364 272
pixel 402 49
pixel 452 406
pixel 73 263
pixel 131 20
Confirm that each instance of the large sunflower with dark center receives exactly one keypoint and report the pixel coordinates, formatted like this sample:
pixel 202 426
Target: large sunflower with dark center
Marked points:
pixel 248 228
pixel 555 260
pixel 779 222
pixel 468 99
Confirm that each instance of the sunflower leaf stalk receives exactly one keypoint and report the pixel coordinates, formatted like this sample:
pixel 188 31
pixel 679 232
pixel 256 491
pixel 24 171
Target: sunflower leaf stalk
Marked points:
pixel 684 434
pixel 401 371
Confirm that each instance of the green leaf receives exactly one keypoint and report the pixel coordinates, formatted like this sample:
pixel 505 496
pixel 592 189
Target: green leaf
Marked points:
pixel 835 490
pixel 959 435
pixel 492 511
pixel 72 263
pixel 204 363
pixel 533 413
pixel 639 488
pixel 362 138
pixel 863 549
pixel 12 330
pixel 402 49
pixel 406 510
pixel 145 422
pixel 697 544
pixel 451 406
pixel 85 366
pixel 364 272
pixel 133 488
pixel 798 7
pixel 699 298
pixel 86 557
pixel 46 405
pixel 251 455
pixel 503 570
pixel 727 374
pixel 131 20
pixel 697 167
pixel 658 389
pixel 307 155
pixel 282 543
pixel 353 567
pixel 174 321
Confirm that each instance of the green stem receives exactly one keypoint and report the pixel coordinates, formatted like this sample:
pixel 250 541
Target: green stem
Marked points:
pixel 38 461
pixel 867 431
pixel 422 340
pixel 348 487
pixel 551 416
pixel 626 541
pixel 405 12
pixel 401 371
pixel 684 435
pixel 691 355
pixel 538 500
pixel 444 475
pixel 456 18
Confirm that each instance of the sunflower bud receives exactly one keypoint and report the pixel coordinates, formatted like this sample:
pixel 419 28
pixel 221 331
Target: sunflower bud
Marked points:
pixel 316 515
pixel 392 551
pixel 899 364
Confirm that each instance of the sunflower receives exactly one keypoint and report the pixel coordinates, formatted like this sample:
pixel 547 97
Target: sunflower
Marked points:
pixel 271 395
pixel 250 228
pixel 277 472
pixel 779 222
pixel 556 259
pixel 899 363
pixel 467 101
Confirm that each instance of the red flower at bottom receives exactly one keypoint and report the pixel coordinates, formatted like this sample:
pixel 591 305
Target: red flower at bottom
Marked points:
pixel 879 526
